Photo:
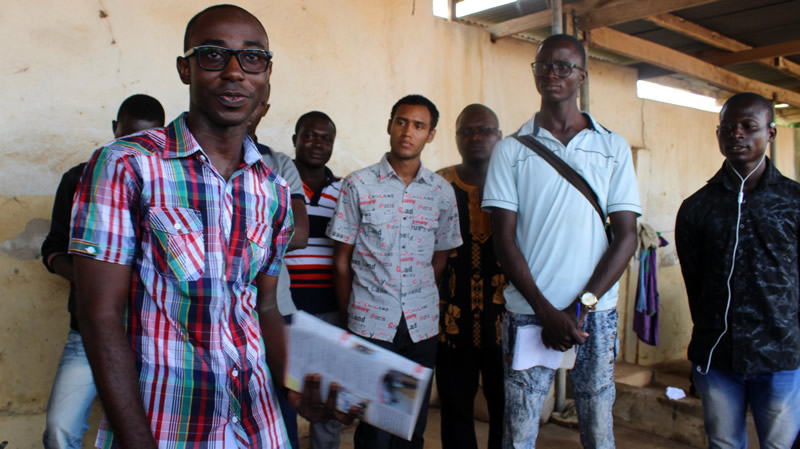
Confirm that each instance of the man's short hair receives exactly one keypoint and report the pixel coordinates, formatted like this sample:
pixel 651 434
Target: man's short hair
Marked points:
pixel 310 115
pixel 142 107
pixel 477 107
pixel 572 40
pixel 418 100
pixel 193 20
pixel 754 98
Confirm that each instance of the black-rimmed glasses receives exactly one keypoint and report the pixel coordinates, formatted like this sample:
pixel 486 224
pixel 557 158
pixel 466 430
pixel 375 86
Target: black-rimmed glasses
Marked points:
pixel 560 68
pixel 214 58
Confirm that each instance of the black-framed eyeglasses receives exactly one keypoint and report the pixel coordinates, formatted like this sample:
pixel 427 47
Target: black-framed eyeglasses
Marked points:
pixel 482 131
pixel 214 58
pixel 562 69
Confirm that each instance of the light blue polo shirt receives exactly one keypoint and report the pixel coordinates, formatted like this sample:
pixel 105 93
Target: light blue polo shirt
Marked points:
pixel 558 231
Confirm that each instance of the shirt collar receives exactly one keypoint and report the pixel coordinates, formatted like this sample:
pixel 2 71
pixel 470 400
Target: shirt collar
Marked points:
pixel 532 126
pixel 770 176
pixel 180 143
pixel 385 171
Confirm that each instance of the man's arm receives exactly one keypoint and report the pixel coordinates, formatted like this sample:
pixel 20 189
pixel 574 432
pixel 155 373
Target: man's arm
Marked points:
pixel 300 238
pixel 272 326
pixel 689 253
pixel 439 263
pixel 615 260
pixel 559 328
pixel 103 290
pixel 55 245
pixel 342 276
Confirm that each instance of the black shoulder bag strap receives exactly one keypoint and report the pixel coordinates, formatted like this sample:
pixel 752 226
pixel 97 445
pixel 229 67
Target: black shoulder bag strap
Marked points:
pixel 567 173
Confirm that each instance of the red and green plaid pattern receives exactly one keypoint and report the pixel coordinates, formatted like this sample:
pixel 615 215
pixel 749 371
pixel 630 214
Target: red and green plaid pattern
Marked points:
pixel 195 242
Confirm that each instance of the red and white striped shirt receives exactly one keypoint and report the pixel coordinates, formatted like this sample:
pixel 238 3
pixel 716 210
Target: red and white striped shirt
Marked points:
pixel 311 268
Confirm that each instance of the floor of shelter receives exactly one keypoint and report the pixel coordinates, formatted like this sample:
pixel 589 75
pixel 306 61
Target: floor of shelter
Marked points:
pixel 550 436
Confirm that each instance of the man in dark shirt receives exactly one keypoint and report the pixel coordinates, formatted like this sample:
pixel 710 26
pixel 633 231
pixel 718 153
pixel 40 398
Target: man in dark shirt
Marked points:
pixel 73 389
pixel 471 294
pixel 737 239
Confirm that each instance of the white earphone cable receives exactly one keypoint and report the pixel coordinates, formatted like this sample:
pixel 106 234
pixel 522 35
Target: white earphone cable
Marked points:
pixel 733 258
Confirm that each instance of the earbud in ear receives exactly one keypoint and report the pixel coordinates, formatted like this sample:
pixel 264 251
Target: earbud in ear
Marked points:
pixel 771 124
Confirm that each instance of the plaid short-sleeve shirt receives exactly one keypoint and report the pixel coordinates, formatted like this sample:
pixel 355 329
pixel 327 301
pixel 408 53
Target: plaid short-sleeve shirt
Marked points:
pixel 196 243
pixel 395 229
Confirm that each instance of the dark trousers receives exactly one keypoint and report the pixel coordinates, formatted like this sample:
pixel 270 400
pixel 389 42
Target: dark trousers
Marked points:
pixel 457 372
pixel 289 419
pixel 424 353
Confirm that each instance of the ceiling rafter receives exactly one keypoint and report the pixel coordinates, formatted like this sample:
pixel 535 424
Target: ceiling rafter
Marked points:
pixel 627 11
pixel 676 61
pixel 592 14
pixel 699 33
pixel 754 54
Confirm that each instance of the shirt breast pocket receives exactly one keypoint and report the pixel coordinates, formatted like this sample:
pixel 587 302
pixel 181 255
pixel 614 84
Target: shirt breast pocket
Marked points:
pixel 377 222
pixel 178 249
pixel 259 236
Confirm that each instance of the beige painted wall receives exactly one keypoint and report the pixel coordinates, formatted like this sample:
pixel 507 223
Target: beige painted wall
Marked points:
pixel 70 65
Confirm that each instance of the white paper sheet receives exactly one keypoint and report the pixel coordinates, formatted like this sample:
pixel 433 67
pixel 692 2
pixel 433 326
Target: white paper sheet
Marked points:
pixel 529 351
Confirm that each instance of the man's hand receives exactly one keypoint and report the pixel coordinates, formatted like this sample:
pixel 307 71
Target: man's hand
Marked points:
pixel 561 329
pixel 309 404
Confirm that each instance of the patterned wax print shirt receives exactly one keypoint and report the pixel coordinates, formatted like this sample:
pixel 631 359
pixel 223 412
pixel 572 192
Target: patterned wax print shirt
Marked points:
pixel 471 291
pixel 195 243
pixel 395 229
pixel 311 268
pixel 763 334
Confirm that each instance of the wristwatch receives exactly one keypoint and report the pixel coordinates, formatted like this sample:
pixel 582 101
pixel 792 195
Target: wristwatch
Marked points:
pixel 588 299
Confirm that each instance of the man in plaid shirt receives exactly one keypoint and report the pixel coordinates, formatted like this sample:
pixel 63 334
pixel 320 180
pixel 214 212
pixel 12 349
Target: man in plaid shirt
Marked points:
pixel 182 232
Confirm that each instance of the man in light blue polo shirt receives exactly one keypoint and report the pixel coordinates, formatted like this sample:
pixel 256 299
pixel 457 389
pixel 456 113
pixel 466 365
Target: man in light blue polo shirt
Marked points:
pixel 554 248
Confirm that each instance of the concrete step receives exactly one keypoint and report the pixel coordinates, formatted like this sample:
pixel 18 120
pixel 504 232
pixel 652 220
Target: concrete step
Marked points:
pixel 644 406
pixel 647 409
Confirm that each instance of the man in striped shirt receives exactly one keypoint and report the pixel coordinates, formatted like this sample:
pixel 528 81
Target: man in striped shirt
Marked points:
pixel 311 268
pixel 181 232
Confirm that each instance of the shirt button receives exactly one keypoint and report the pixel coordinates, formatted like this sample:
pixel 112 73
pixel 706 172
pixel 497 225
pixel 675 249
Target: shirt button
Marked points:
pixel 177 226
pixel 741 226
pixel 235 372
pixel 90 250
pixel 234 420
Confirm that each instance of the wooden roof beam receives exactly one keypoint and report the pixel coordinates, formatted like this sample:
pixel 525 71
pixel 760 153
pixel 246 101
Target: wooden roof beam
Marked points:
pixel 699 33
pixel 592 14
pixel 626 11
pixel 676 61
pixel 754 54
pixel 533 21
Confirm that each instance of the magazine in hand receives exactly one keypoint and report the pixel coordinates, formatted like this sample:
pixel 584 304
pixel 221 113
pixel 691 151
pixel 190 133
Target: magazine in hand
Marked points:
pixel 388 387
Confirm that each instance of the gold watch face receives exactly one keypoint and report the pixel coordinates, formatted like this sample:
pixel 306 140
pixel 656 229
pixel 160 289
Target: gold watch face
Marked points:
pixel 588 299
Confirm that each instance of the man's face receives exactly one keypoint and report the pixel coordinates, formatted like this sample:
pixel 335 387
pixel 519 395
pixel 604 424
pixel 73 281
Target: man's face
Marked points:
pixel 313 142
pixel 409 130
pixel 744 132
pixel 476 134
pixel 229 96
pixel 127 125
pixel 551 87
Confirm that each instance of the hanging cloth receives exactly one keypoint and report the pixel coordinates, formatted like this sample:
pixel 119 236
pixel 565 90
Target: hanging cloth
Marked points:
pixel 645 315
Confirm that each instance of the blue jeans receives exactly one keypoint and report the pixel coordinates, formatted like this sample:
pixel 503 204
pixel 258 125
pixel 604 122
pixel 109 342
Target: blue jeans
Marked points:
pixel 592 381
pixel 773 397
pixel 71 398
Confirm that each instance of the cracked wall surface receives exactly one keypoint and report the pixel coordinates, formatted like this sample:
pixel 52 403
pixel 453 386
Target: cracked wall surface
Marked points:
pixel 71 64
